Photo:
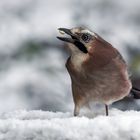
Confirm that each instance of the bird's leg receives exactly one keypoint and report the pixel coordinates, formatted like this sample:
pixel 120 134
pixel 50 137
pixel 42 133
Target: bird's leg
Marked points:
pixel 76 110
pixel 106 109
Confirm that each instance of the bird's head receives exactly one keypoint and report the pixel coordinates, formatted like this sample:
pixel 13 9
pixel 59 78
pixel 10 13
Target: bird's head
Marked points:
pixel 89 45
pixel 83 39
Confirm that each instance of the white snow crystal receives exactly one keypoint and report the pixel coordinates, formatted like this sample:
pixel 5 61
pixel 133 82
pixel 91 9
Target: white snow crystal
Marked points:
pixel 39 125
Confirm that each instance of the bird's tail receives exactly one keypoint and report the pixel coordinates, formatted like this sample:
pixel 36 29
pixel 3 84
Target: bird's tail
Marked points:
pixel 135 93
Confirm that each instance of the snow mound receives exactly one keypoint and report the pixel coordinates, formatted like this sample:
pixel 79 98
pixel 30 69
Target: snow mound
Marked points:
pixel 40 125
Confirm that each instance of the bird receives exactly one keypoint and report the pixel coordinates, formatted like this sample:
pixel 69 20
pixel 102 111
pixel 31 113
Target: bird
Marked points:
pixel 97 70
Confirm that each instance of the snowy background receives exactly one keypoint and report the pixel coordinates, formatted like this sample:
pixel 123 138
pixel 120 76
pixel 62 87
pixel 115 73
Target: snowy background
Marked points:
pixel 32 65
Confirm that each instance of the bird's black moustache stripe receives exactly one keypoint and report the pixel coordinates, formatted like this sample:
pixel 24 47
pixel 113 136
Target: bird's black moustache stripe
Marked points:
pixel 81 46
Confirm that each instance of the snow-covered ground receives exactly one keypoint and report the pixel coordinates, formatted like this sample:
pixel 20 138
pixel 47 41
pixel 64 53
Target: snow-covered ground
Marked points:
pixel 39 125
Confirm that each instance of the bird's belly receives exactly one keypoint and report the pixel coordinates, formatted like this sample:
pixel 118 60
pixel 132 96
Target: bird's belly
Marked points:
pixel 108 94
pixel 104 88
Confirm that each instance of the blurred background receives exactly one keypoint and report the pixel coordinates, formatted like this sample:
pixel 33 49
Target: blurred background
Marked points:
pixel 32 60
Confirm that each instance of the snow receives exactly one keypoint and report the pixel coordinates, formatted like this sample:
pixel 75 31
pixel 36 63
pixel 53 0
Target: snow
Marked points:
pixel 30 19
pixel 40 125
pixel 32 86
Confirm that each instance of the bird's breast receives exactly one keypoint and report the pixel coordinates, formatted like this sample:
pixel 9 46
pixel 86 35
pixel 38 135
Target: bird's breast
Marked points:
pixel 107 84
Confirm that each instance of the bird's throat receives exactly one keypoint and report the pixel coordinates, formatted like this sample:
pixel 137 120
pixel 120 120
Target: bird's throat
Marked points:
pixel 77 60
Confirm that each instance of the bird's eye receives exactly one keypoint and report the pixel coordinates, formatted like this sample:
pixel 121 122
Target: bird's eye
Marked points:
pixel 86 37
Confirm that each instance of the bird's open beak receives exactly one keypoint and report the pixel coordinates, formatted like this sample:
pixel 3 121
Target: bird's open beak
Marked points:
pixel 68 32
pixel 74 39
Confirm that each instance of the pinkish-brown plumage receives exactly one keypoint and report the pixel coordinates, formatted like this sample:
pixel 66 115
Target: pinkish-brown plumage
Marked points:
pixel 97 70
